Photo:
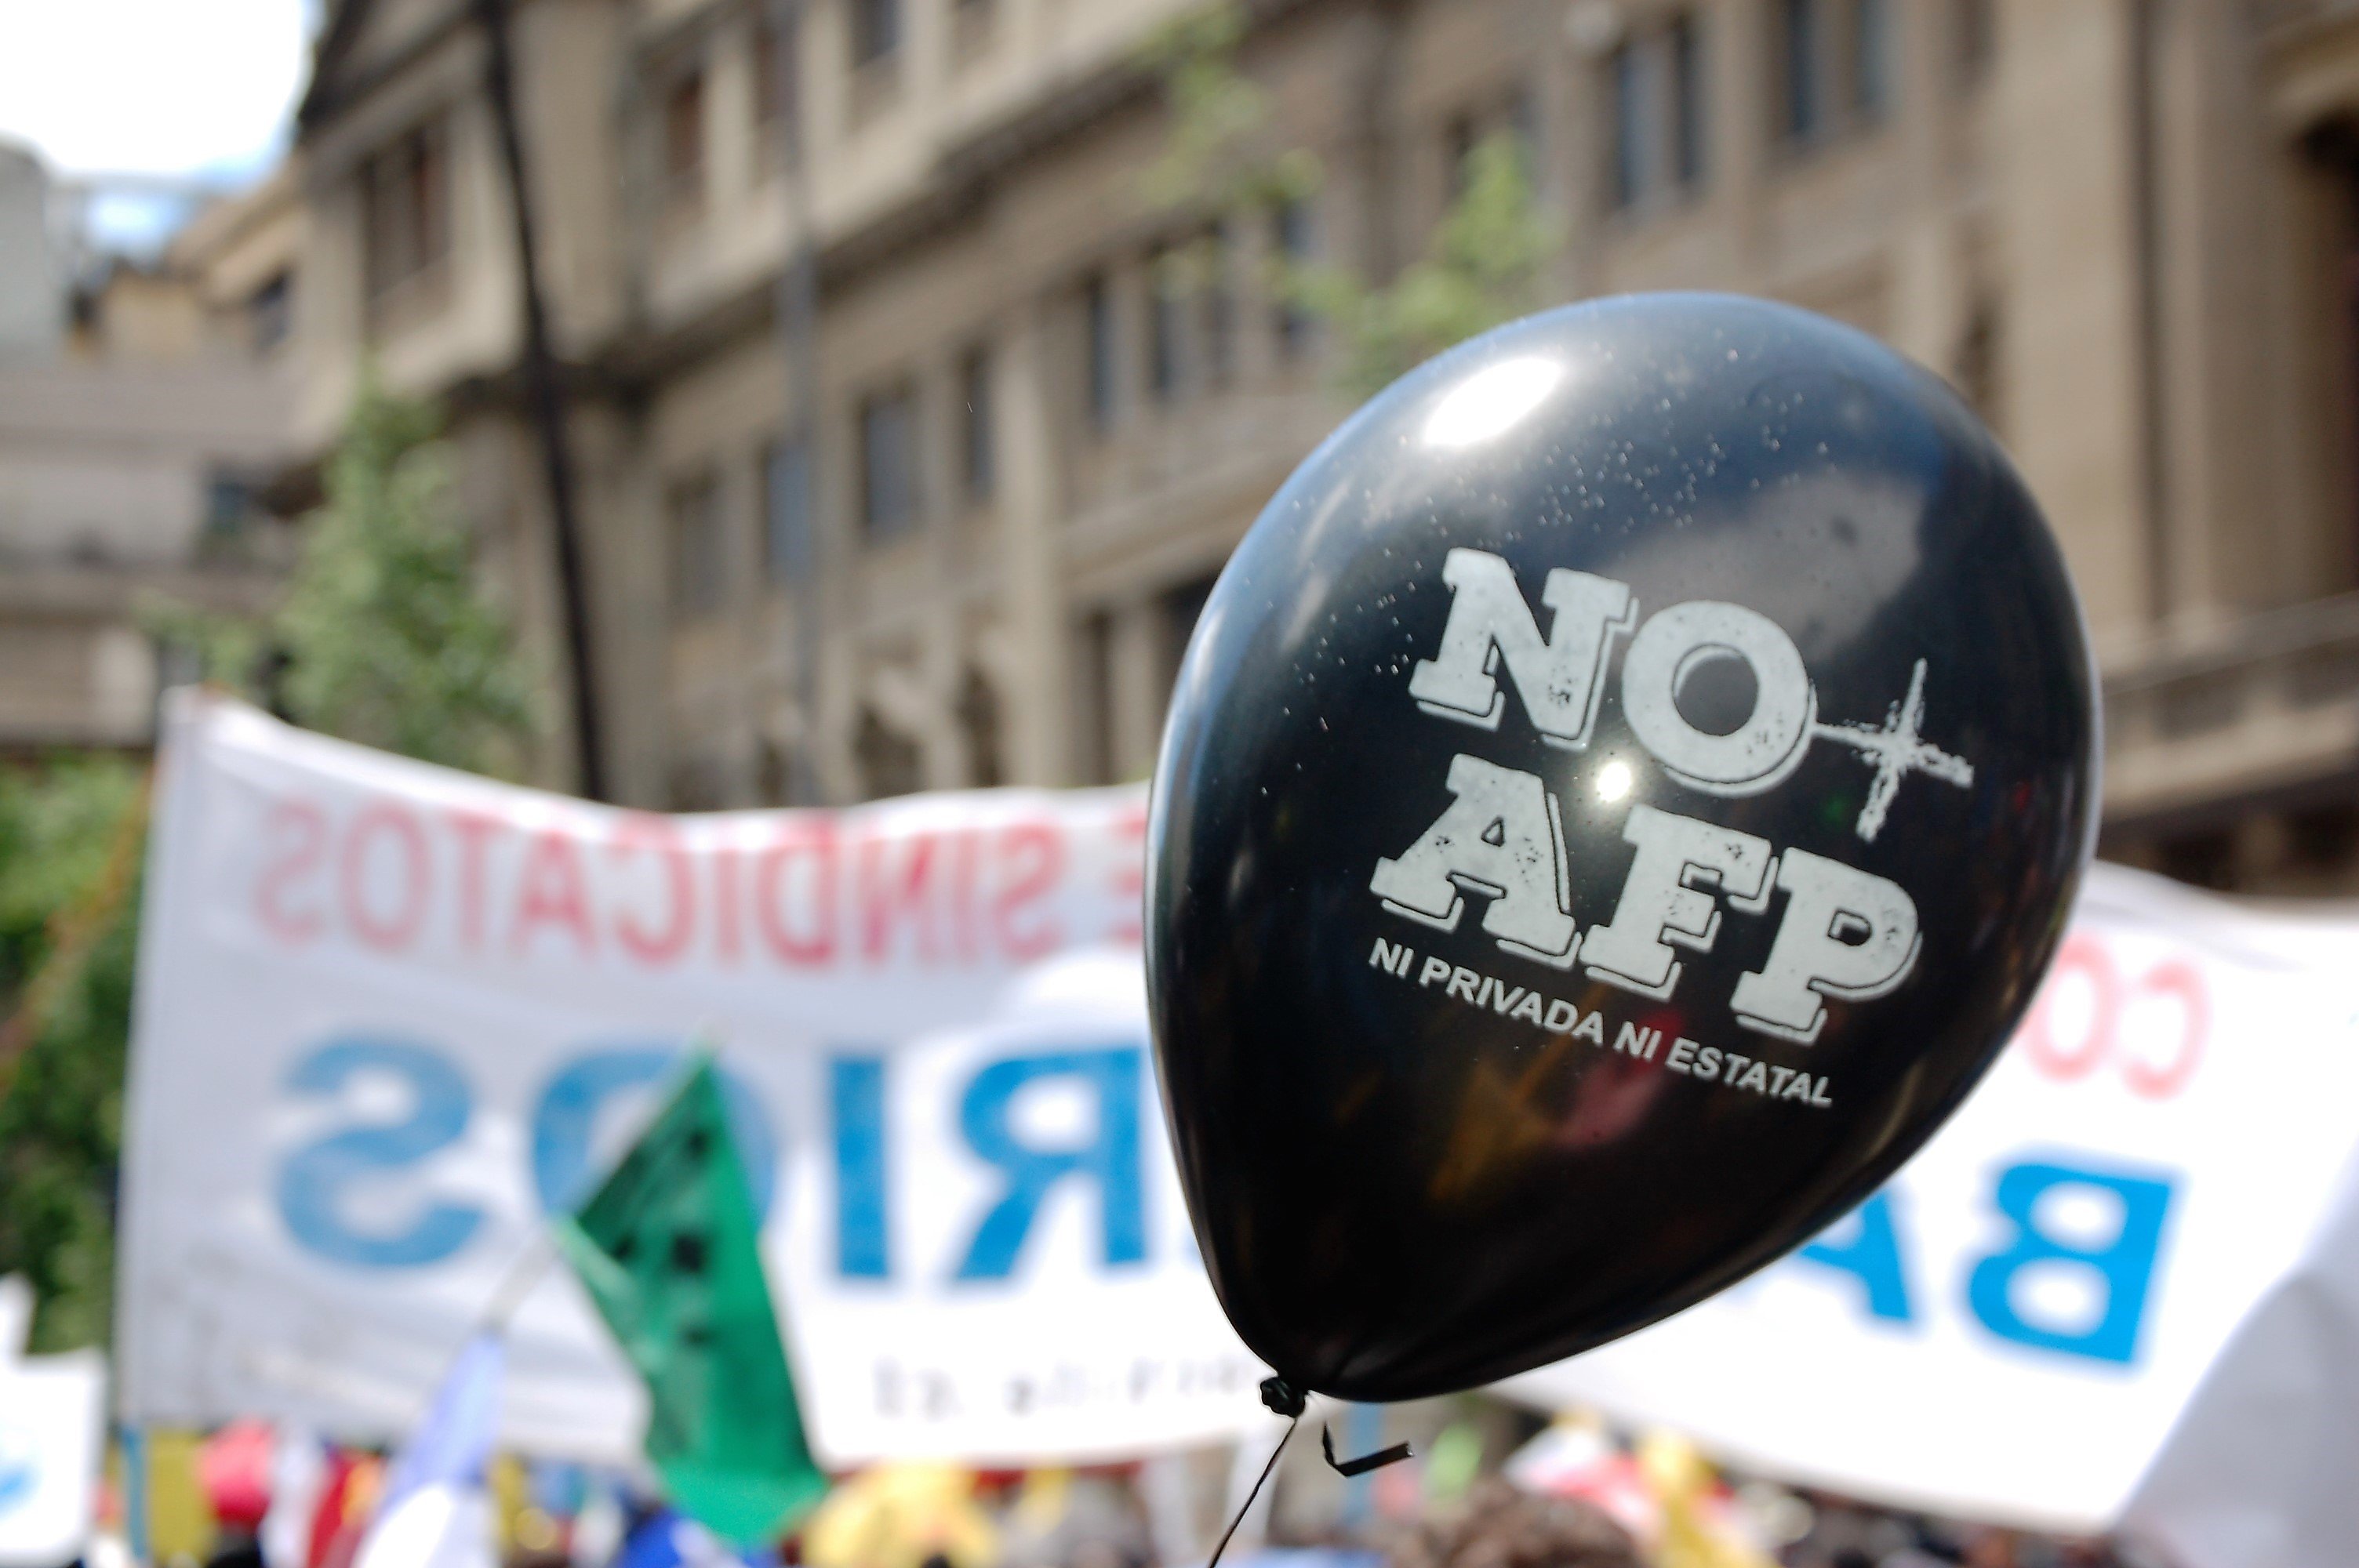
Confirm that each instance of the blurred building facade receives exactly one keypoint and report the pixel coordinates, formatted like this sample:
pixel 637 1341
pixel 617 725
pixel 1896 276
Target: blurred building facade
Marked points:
pixel 144 412
pixel 895 469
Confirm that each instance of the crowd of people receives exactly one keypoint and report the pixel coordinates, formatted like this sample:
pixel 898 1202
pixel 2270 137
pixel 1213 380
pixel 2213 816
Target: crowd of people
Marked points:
pixel 1501 1492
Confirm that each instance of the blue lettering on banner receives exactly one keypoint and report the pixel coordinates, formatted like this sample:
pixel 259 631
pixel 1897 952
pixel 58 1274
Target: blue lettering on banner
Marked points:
pixel 315 1180
pixel 856 1097
pixel 2123 1266
pixel 566 1120
pixel 1870 1253
pixel 1110 1159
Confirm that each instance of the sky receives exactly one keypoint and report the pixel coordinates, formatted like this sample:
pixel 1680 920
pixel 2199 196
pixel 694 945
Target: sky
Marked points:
pixel 201 89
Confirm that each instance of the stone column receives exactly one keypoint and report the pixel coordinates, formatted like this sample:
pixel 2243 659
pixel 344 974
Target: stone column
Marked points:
pixel 1574 113
pixel 2229 529
pixel 1140 686
pixel 2069 352
pixel 1037 691
pixel 1740 131
pixel 1929 283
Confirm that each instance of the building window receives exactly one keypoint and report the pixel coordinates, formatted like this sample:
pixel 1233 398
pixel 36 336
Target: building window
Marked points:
pixel 876 30
pixel 1217 306
pixel 696 782
pixel 1182 607
pixel 1977 365
pixel 1687 102
pixel 890 762
pixel 2207 859
pixel 1167 326
pixel 405 208
pixel 270 311
pixel 1870 73
pixel 233 507
pixel 1658 131
pixel 977 475
pixel 888 465
pixel 699 568
pixel 1797 59
pixel 978 720
pixel 1976 38
pixel 2322 838
pixel 1632 126
pixel 1097 698
pixel 1293 236
pixel 1834 65
pixel 683 138
pixel 971 25
pixel 787 546
pixel 1098 348
pixel 774 78
pixel 1458 140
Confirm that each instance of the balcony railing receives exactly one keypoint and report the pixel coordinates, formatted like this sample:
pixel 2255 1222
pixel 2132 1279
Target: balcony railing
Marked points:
pixel 2266 702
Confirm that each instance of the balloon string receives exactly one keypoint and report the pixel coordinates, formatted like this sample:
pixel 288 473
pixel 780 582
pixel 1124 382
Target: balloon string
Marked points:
pixel 1258 1480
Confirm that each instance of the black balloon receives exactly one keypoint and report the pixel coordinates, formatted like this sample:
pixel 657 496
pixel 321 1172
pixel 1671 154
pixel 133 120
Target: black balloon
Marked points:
pixel 1619 799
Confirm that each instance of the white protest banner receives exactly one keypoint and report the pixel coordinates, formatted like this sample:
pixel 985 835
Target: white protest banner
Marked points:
pixel 52 1422
pixel 2014 1327
pixel 389 1015
pixel 1113 1312
pixel 15 1315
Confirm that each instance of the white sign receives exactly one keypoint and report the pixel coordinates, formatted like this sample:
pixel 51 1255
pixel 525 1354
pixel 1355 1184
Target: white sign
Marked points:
pixel 2014 1328
pixel 52 1415
pixel 389 1016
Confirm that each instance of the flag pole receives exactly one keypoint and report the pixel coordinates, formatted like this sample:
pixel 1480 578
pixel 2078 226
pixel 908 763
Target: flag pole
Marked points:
pixel 523 1274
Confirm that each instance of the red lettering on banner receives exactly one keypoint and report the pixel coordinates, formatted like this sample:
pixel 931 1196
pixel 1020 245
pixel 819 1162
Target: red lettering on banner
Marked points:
pixel 474 829
pixel 646 831
pixel 966 853
pixel 401 929
pixel 1129 831
pixel 886 900
pixel 727 922
pixel 304 832
pixel 2181 979
pixel 1032 856
pixel 814 943
pixel 2110 1000
pixel 2084 956
pixel 551 891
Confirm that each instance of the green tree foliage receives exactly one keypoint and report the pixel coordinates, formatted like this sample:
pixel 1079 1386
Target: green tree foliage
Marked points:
pixel 1484 268
pixel 383 637
pixel 1485 263
pixel 68 845
pixel 1222 156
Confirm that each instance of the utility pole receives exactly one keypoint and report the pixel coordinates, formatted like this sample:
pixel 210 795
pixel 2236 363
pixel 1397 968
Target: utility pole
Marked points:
pixel 545 398
pixel 798 345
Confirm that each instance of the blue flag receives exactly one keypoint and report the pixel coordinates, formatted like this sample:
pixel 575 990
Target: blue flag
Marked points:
pixel 434 1512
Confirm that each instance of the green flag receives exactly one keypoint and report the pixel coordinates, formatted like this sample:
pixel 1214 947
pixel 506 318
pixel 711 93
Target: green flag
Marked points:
pixel 668 1248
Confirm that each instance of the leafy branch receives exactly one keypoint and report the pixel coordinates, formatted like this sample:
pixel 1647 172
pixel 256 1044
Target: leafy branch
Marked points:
pixel 1485 263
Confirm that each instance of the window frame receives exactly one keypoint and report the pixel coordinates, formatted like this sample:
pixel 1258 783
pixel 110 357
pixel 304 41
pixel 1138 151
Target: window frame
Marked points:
pixel 1294 237
pixel 873 45
pixel 1657 133
pixel 684 181
pixel 884 408
pixel 408 210
pixel 1101 355
pixel 1838 67
pixel 978 424
pixel 790 542
pixel 696 535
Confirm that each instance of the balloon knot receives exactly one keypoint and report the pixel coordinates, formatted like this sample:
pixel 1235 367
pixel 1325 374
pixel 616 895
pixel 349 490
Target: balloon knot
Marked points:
pixel 1282 1396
